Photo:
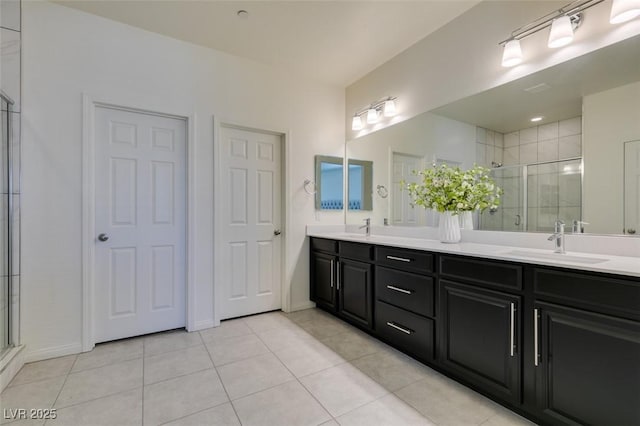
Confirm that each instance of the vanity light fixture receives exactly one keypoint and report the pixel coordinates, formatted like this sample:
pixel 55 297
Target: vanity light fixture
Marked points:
pixel 624 10
pixel 372 116
pixel 561 32
pixel 356 123
pixel 385 107
pixel 389 108
pixel 512 54
pixel 563 23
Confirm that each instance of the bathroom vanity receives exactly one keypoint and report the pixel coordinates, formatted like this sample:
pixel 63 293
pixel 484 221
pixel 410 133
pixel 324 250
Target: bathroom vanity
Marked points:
pixel 555 339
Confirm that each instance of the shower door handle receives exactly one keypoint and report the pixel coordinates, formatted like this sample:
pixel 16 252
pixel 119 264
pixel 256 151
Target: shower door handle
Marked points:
pixel 517 220
pixel 103 237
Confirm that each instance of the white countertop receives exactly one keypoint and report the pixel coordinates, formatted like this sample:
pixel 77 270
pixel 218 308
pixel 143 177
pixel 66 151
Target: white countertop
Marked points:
pixel 621 265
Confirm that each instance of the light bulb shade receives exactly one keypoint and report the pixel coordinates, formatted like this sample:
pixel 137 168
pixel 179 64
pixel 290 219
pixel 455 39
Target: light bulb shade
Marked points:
pixel 356 123
pixel 372 116
pixel 512 54
pixel 389 108
pixel 561 32
pixel 624 10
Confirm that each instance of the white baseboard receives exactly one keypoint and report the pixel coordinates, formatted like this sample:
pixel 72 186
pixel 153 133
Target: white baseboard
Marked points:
pixel 53 352
pixel 301 306
pixel 202 325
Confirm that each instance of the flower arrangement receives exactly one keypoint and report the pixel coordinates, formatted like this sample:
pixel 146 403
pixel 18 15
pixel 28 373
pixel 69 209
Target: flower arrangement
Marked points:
pixel 449 189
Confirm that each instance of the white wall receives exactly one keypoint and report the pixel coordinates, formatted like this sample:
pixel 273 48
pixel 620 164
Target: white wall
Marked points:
pixel 610 118
pixel 463 57
pixel 67 53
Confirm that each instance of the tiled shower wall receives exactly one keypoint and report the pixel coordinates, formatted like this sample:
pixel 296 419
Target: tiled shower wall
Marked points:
pixel 553 190
pixel 10 63
pixel 559 140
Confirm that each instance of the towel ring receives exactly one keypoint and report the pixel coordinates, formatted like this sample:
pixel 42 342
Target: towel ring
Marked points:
pixel 309 183
pixel 382 191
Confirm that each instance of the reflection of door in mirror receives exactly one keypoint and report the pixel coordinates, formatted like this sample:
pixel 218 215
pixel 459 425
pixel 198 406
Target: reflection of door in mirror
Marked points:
pixel 402 212
pixel 632 187
pixel 329 183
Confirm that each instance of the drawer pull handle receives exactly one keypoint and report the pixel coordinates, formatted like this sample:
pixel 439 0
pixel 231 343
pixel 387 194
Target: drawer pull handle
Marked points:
pixel 332 272
pixel 398 289
pixel 400 259
pixel 536 356
pixel 397 327
pixel 512 329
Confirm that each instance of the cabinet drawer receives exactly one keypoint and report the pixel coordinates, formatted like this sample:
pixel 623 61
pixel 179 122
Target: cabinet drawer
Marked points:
pixel 356 251
pixel 322 244
pixel 604 294
pixel 405 290
pixel 405 330
pixel 407 260
pixel 485 272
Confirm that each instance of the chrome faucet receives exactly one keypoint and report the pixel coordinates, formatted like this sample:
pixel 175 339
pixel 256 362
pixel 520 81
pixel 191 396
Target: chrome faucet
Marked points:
pixel 558 237
pixel 367 226
pixel 578 226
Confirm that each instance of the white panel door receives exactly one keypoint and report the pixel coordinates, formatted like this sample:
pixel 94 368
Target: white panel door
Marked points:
pixel 403 213
pixel 632 187
pixel 140 223
pixel 251 217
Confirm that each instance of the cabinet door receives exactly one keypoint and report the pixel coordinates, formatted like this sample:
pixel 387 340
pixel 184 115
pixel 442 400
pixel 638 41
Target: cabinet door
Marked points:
pixel 355 281
pixel 481 338
pixel 589 367
pixel 323 279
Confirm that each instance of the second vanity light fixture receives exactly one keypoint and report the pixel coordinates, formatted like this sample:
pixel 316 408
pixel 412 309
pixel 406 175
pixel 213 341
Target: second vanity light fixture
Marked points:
pixel 563 23
pixel 385 107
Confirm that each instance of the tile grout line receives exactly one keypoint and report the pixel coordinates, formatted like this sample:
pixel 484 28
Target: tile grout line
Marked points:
pixel 299 382
pixel 62 387
pixel 221 384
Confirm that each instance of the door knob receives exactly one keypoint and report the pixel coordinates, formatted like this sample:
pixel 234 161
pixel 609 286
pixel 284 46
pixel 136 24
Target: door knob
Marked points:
pixel 103 237
pixel 277 232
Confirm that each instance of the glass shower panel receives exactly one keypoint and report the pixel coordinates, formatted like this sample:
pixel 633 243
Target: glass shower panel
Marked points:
pixel 510 215
pixel 554 192
pixel 4 231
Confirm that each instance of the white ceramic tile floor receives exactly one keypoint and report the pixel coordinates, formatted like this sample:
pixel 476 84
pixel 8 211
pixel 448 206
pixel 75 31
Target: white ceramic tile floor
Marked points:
pixel 303 368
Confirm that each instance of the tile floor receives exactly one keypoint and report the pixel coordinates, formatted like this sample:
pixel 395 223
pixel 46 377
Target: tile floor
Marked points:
pixel 303 368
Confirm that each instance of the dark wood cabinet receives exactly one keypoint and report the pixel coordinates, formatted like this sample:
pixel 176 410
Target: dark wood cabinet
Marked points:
pixel 355 291
pixel 323 279
pixel 481 338
pixel 342 279
pixel 588 368
pixel 560 346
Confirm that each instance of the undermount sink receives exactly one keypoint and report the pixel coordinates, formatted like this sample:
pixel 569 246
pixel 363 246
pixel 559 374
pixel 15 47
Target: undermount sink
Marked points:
pixel 557 256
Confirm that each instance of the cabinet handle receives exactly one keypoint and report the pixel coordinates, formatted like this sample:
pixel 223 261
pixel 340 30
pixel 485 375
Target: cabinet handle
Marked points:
pixel 332 272
pixel 400 259
pixel 512 329
pixel 397 327
pixel 398 289
pixel 536 318
pixel 338 272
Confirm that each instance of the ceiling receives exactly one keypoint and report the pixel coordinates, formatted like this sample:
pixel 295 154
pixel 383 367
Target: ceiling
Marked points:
pixel 336 42
pixel 511 106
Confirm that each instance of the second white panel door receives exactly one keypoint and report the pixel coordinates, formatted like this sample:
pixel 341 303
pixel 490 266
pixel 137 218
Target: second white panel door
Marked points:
pixel 251 216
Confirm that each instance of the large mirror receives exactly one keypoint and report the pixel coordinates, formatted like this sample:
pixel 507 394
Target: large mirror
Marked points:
pixel 571 164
